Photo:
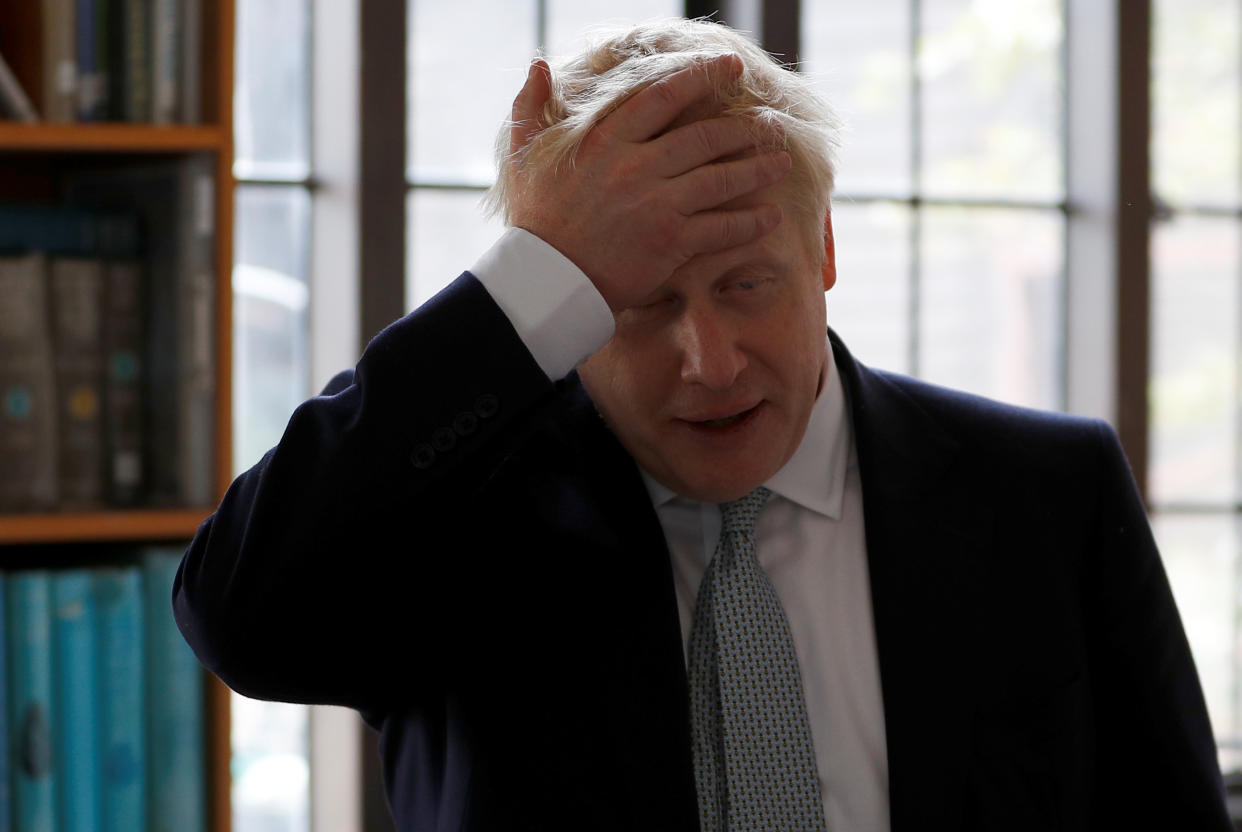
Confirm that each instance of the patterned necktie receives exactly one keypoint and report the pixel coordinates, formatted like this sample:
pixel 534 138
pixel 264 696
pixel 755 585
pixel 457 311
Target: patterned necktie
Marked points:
pixel 754 764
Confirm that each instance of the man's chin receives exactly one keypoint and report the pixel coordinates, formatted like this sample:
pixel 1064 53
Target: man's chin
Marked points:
pixel 713 486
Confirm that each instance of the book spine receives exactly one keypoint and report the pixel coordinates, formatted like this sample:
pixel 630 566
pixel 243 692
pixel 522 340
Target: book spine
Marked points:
pixel 77 694
pixel 13 98
pixel 122 700
pixel 60 71
pixel 28 633
pixel 123 405
pixel 65 231
pixel 91 86
pixel 175 748
pixel 6 803
pixel 137 51
pixel 192 62
pixel 166 60
pixel 77 301
pixel 196 334
pixel 28 466
pixel 114 33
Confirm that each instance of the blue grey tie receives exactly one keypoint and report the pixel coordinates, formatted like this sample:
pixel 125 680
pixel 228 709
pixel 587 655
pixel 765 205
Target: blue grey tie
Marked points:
pixel 754 764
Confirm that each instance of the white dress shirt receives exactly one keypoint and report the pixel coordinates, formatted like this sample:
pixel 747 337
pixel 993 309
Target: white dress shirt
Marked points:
pixel 811 539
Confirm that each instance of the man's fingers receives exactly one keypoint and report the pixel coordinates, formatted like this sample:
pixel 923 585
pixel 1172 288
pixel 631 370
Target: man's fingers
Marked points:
pixel 718 230
pixel 528 105
pixel 655 107
pixel 706 140
pixel 711 186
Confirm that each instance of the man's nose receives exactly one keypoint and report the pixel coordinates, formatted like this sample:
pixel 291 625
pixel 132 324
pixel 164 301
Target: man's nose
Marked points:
pixel 710 352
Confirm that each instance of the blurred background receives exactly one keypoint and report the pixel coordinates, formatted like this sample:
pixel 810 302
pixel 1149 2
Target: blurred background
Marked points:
pixel 1037 200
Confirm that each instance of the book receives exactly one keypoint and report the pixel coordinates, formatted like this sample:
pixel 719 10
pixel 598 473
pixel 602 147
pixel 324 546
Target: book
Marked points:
pixel 60 70
pixel 123 379
pixel 175 749
pixel 77 304
pixel 6 805
pixel 28 446
pixel 191 111
pixel 91 60
pixel 47 229
pixel 174 200
pixel 14 103
pixel 76 683
pixel 28 636
pixel 167 25
pixel 124 334
pixel 122 701
pixel 135 39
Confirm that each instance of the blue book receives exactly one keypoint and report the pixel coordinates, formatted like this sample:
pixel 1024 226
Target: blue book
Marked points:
pixel 28 631
pixel 5 805
pixel 122 701
pixel 175 750
pixel 92 80
pixel 76 682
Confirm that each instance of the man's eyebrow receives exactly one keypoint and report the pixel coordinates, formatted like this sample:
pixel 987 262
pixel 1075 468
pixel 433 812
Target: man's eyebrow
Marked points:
pixel 760 266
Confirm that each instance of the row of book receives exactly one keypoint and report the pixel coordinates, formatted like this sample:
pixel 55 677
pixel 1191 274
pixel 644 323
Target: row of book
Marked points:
pixel 107 325
pixel 102 60
pixel 104 720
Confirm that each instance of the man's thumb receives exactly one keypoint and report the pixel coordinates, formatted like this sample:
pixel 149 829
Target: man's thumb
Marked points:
pixel 529 104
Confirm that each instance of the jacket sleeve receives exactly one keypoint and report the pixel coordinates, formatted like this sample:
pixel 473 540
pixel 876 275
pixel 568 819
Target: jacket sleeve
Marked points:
pixel 321 575
pixel 1156 758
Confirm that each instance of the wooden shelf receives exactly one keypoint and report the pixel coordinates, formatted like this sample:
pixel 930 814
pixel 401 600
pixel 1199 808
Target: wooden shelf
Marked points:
pixel 110 138
pixel 168 524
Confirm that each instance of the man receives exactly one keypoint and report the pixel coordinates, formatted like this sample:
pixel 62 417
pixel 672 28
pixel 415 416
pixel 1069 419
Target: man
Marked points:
pixel 720 575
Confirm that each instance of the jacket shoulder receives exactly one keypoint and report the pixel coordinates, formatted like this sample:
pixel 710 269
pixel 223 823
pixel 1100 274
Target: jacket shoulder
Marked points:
pixel 1026 436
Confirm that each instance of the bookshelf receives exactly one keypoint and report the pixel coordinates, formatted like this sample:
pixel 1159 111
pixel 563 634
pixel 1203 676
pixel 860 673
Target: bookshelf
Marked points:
pixel 37 161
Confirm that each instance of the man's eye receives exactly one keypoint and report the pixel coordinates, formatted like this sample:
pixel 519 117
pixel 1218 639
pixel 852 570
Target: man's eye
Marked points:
pixel 749 283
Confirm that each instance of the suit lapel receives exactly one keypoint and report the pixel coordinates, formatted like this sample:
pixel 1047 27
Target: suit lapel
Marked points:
pixel 926 533
pixel 647 719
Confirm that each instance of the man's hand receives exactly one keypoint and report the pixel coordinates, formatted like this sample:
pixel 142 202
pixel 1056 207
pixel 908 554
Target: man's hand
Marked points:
pixel 637 202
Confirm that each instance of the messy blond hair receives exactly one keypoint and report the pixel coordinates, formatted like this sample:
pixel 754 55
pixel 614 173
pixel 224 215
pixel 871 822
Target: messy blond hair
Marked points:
pixel 786 112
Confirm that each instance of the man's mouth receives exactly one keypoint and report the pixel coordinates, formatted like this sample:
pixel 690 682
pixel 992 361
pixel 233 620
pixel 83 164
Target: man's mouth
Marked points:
pixel 726 421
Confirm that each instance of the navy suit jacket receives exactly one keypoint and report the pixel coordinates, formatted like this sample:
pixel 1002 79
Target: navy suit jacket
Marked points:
pixel 459 548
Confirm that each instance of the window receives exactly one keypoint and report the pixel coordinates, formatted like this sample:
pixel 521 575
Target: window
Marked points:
pixel 956 198
pixel 1195 393
pixel 455 107
pixel 950 205
pixel 271 373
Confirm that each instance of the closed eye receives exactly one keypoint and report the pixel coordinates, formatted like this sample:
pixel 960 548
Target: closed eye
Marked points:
pixel 748 284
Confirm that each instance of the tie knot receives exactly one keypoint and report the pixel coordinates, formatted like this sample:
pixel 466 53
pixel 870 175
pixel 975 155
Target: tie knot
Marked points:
pixel 739 515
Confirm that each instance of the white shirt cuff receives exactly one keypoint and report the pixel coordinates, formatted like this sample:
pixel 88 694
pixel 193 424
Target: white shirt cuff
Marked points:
pixel 554 308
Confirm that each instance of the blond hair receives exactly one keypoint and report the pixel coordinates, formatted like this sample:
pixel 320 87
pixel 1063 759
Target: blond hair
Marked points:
pixel 786 111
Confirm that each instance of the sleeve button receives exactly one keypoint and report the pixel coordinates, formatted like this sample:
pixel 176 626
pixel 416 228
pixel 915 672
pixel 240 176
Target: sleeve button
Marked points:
pixel 485 406
pixel 465 423
pixel 423 456
pixel 444 440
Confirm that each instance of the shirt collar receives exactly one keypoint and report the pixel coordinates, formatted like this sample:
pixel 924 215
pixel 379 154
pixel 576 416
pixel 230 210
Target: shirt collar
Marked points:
pixel 814 477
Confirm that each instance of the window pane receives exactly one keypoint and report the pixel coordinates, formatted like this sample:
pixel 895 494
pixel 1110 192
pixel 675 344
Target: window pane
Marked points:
pixel 568 19
pixel 869 307
pixel 270 370
pixel 1195 100
pixel 991 98
pixel 1194 370
pixel 270 378
pixel 1200 554
pixel 467 60
pixel 271 778
pixel 991 303
pixel 271 96
pixel 446 232
pixel 859 54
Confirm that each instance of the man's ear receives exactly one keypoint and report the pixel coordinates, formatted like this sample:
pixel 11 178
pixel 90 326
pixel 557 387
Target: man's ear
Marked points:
pixel 830 254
